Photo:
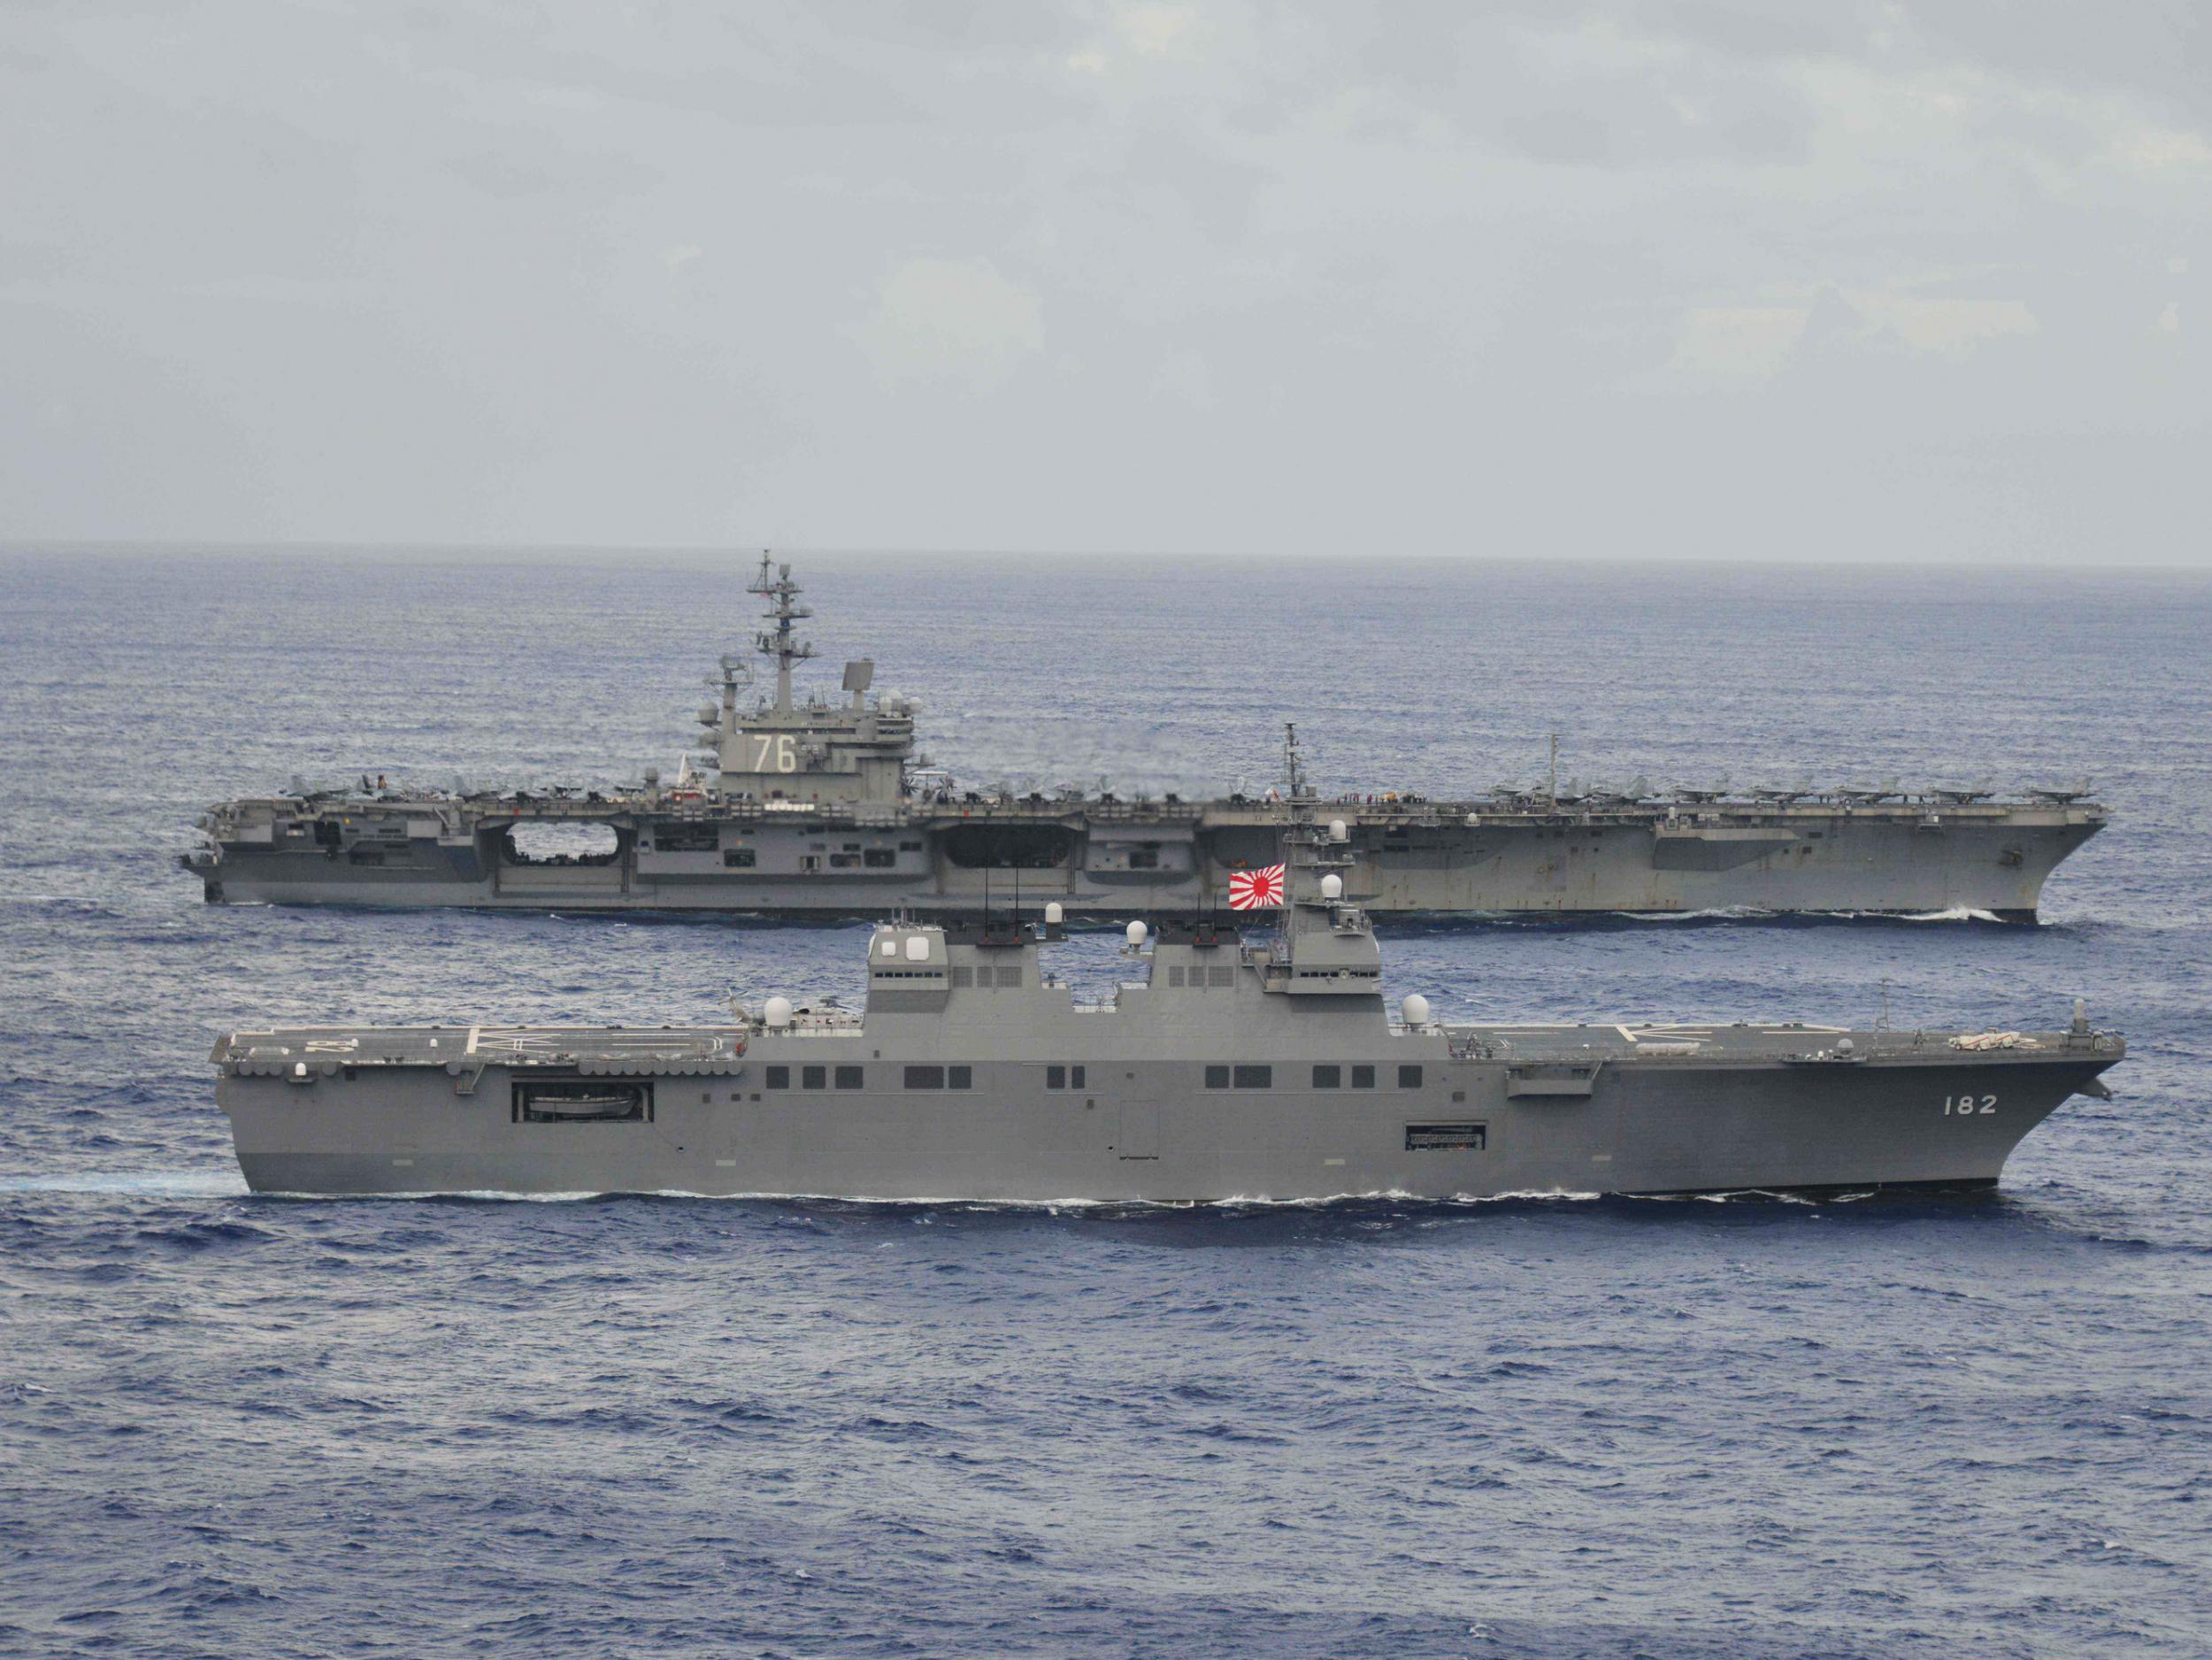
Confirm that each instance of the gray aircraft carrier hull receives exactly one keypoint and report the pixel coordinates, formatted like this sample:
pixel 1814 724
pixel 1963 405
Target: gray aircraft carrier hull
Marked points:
pixel 1688 1128
pixel 1986 859
pixel 801 806
pixel 1214 1078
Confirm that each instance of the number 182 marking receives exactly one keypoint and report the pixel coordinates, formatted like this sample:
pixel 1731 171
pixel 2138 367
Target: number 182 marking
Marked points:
pixel 1968 1106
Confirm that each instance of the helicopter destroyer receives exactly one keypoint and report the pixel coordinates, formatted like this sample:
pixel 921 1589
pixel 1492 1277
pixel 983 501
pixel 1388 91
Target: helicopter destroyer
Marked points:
pixel 1228 1068
pixel 821 807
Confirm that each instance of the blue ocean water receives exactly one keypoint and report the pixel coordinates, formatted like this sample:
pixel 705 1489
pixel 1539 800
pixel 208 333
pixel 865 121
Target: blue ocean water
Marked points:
pixel 1898 1427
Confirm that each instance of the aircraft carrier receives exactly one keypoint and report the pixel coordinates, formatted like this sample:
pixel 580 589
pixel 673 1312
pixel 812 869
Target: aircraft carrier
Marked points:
pixel 1224 1069
pixel 808 806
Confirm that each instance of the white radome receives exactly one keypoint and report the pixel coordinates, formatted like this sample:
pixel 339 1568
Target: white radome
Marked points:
pixel 1054 914
pixel 1331 885
pixel 1135 933
pixel 777 1011
pixel 1339 830
pixel 1416 1010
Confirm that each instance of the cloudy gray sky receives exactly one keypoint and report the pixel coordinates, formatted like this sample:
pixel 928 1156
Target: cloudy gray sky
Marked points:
pixel 1677 277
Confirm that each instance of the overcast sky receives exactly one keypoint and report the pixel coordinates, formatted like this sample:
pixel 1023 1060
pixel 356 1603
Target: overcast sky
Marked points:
pixel 1674 277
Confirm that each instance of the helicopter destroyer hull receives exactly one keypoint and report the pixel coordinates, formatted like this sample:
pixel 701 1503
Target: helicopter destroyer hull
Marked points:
pixel 1149 1132
pixel 1987 859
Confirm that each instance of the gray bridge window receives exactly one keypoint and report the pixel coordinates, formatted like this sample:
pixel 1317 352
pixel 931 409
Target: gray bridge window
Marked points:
pixel 1328 1077
pixel 848 1078
pixel 959 1078
pixel 1216 1078
pixel 778 1077
pixel 1363 1077
pixel 1255 1077
pixel 737 858
pixel 1060 1077
pixel 1447 1137
pixel 878 858
pixel 1409 1078
pixel 813 1076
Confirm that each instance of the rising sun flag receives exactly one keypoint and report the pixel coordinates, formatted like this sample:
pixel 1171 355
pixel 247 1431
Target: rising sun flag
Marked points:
pixel 1256 891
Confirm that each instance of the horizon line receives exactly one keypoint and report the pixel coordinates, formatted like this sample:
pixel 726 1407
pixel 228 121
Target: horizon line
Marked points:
pixel 406 549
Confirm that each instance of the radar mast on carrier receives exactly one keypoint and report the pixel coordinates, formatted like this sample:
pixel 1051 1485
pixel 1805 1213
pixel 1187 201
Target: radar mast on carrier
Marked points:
pixel 773 584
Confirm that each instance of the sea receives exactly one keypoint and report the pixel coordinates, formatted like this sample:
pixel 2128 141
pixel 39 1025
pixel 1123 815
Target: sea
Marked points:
pixel 1877 1426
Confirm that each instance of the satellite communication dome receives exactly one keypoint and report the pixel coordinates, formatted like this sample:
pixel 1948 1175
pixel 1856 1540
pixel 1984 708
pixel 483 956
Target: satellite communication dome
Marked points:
pixel 1054 914
pixel 777 1012
pixel 1135 933
pixel 1416 1010
pixel 1331 885
pixel 1339 830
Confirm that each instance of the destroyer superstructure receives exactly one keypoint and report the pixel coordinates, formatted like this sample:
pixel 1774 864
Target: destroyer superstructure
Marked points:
pixel 1268 1067
pixel 810 806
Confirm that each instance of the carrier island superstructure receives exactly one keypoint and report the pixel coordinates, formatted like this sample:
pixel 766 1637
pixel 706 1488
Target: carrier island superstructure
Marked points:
pixel 1267 1067
pixel 808 806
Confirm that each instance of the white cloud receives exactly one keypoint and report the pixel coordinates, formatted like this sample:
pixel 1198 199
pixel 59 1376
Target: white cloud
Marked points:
pixel 1742 343
pixel 951 319
pixel 2170 148
pixel 1953 327
pixel 1157 31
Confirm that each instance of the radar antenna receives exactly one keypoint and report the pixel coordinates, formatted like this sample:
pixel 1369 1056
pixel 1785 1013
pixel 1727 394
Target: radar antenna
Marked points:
pixel 1293 768
pixel 773 584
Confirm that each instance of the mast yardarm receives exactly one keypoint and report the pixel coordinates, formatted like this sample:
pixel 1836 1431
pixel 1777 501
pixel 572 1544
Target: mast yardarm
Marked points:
pixel 773 584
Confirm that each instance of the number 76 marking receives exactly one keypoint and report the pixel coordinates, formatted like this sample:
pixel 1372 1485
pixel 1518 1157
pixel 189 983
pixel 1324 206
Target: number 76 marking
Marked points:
pixel 774 752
